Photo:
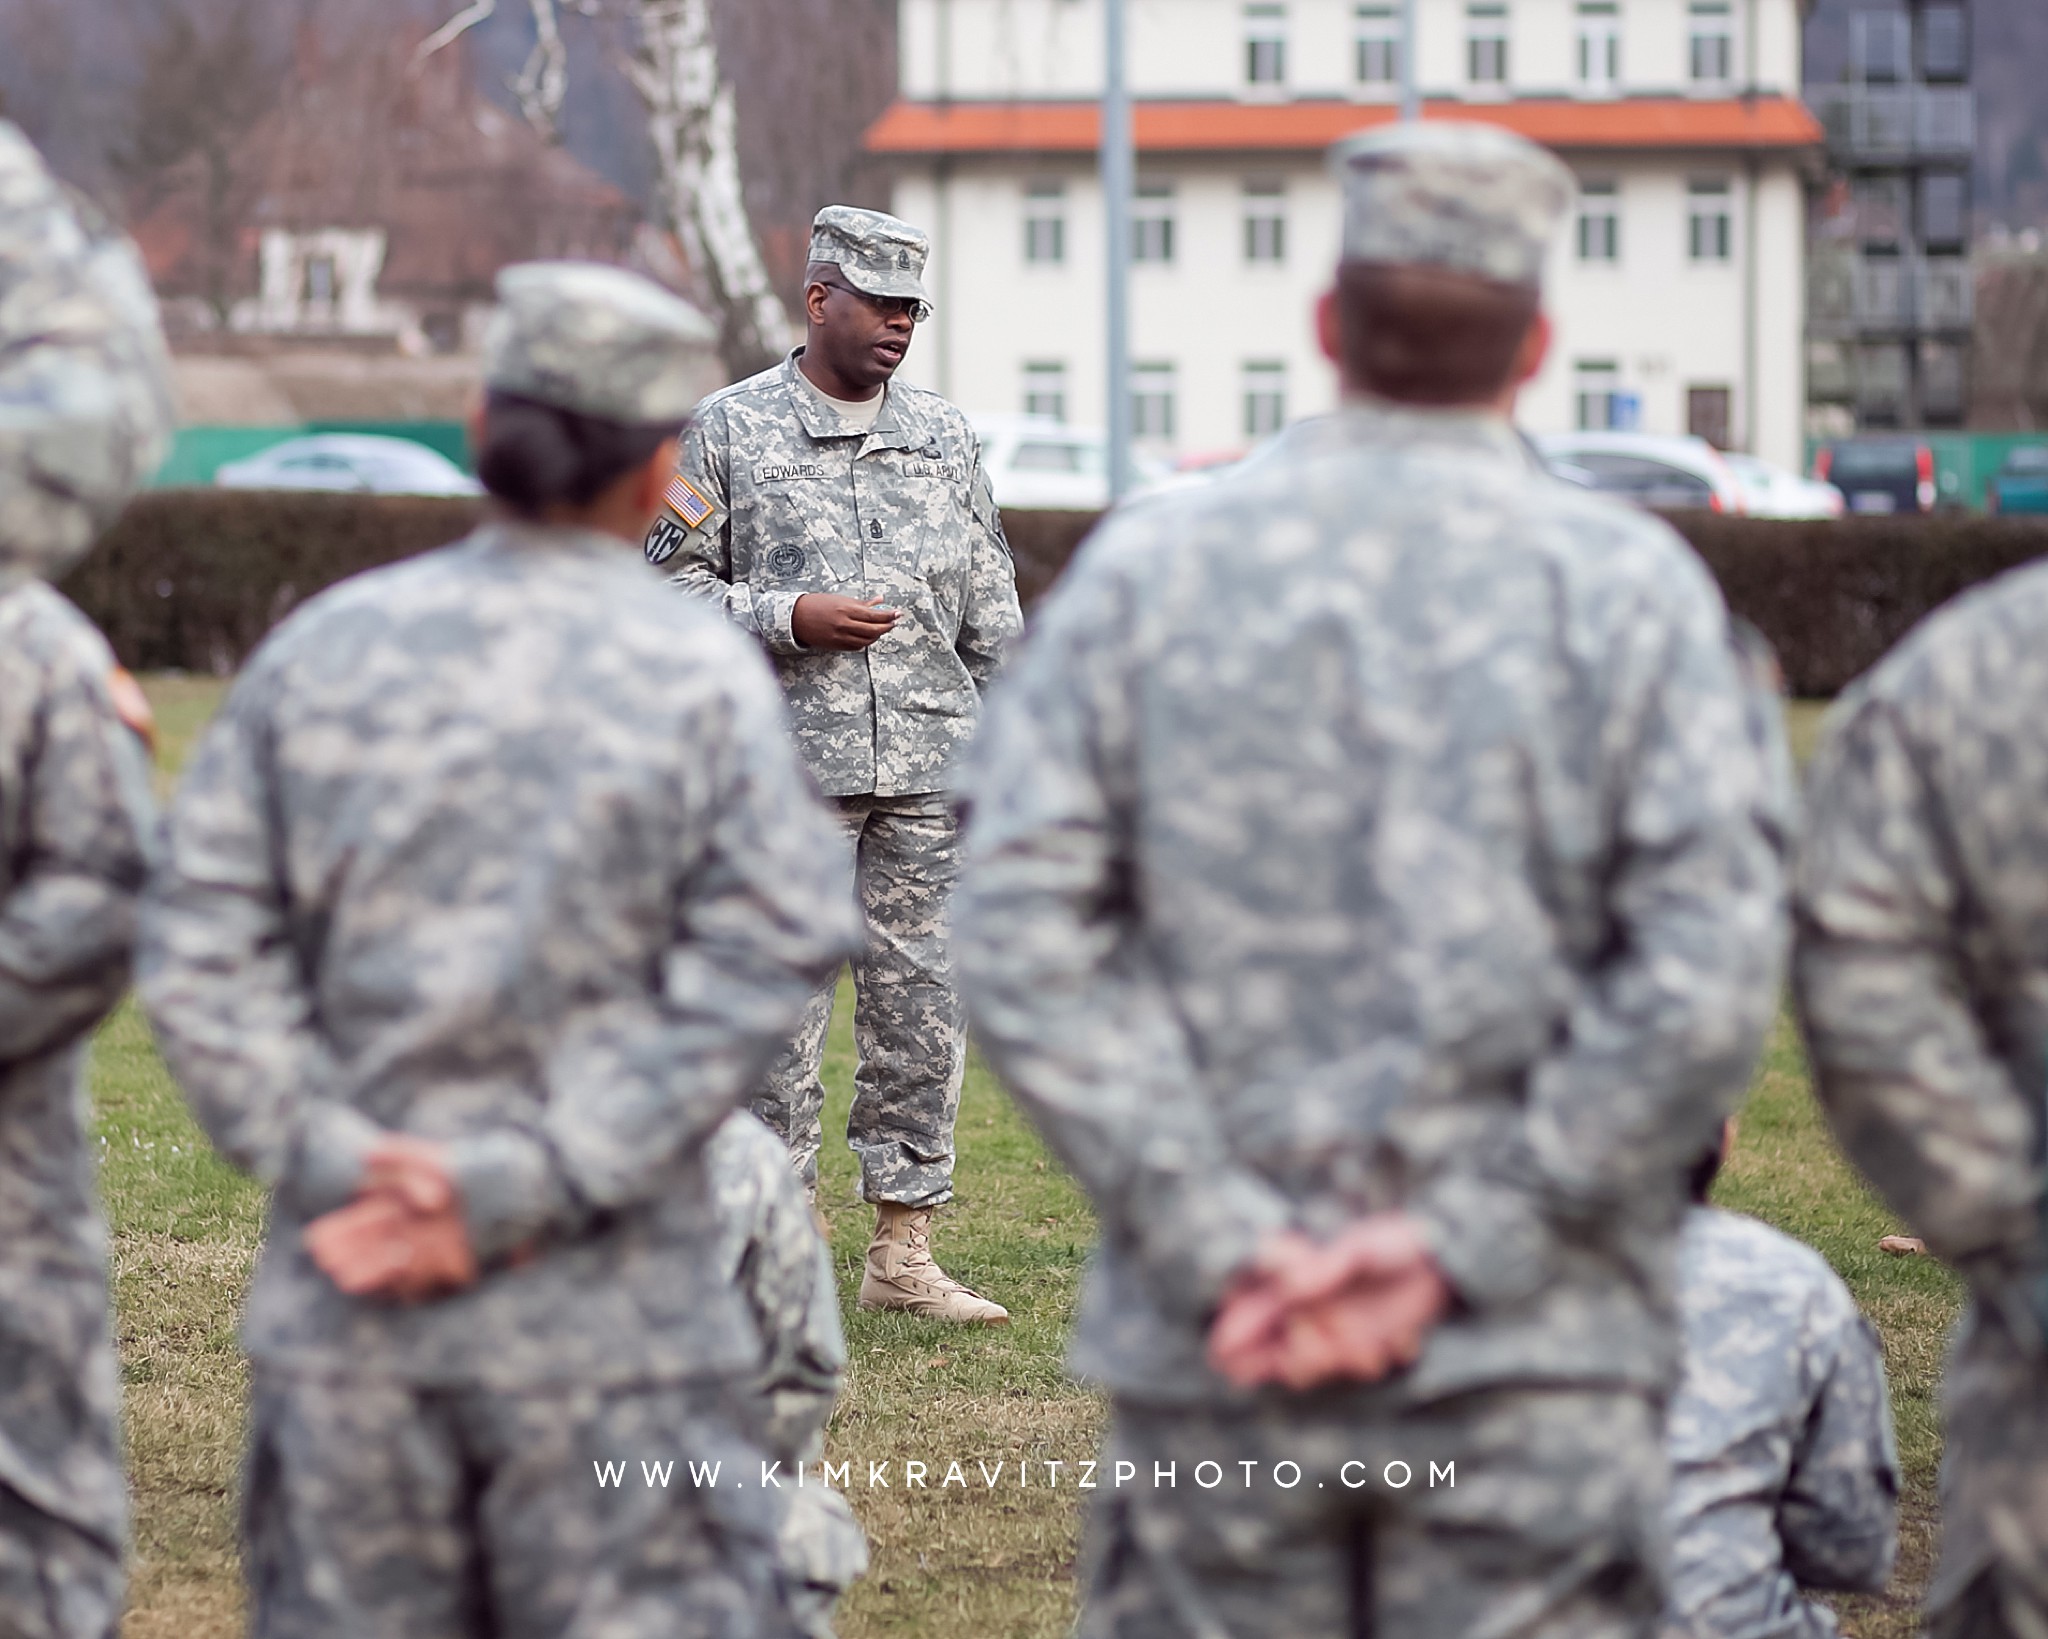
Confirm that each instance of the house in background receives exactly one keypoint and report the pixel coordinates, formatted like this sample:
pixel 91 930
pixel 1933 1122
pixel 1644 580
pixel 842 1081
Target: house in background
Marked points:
pixel 324 283
pixel 1679 287
pixel 370 211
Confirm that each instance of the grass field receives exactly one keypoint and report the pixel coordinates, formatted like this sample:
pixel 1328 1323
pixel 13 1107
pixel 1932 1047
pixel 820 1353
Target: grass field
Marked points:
pixel 947 1561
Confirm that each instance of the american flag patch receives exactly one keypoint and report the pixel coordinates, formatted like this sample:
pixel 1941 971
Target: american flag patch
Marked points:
pixel 686 501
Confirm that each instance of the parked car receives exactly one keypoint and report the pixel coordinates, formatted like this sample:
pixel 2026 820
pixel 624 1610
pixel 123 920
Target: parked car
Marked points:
pixel 362 463
pixel 1033 462
pixel 1880 475
pixel 2021 483
pixel 1772 492
pixel 1654 470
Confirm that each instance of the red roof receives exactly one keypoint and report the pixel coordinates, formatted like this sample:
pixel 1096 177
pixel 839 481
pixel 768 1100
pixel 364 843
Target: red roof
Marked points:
pixel 1216 126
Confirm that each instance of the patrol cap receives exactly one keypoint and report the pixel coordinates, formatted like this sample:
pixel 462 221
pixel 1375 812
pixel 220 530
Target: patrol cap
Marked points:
pixel 1451 194
pixel 596 340
pixel 878 253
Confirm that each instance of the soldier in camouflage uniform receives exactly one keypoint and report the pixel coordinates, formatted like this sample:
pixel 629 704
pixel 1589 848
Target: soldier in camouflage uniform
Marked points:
pixel 1785 1474
pixel 1373 891
pixel 84 406
pixel 1921 972
pixel 843 519
pixel 770 1248
pixel 468 940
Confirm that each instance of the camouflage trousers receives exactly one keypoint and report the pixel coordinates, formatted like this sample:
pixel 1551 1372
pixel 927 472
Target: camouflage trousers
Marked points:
pixel 1992 1580
pixel 909 1025
pixel 1510 1514
pixel 384 1510
pixel 56 1581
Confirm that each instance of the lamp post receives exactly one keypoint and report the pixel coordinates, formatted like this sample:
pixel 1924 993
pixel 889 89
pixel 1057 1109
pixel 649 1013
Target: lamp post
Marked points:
pixel 1118 167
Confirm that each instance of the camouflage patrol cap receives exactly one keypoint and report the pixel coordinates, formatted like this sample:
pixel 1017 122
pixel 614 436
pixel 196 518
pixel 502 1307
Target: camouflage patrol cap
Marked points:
pixel 1452 194
pixel 878 253
pixel 596 340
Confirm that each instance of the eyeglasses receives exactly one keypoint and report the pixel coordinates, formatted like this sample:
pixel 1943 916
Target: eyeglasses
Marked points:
pixel 918 309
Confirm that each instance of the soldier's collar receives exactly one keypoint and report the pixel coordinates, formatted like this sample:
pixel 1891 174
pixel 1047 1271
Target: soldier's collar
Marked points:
pixel 895 430
pixel 1382 421
pixel 520 534
pixel 819 419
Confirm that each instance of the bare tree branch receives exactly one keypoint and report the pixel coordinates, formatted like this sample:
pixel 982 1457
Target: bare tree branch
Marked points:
pixel 690 115
pixel 544 82
pixel 691 119
pixel 479 11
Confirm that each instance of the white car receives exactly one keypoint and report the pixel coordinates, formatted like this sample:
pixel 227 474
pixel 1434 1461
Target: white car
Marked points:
pixel 1037 464
pixel 1649 469
pixel 360 463
pixel 1772 492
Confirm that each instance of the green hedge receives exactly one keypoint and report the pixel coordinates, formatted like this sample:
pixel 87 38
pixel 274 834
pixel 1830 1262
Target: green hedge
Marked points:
pixel 190 580
pixel 1833 596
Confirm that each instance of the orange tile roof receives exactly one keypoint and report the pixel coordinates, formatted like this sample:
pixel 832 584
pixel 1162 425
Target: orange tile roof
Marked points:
pixel 1217 126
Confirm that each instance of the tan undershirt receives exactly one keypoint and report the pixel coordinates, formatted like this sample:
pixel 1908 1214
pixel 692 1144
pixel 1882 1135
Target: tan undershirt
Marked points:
pixel 859 413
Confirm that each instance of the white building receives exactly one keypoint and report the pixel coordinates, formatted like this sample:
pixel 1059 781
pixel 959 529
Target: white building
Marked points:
pixel 1679 290
pixel 325 284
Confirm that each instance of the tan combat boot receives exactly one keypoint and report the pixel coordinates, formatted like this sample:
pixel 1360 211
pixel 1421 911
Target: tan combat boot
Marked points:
pixel 901 1274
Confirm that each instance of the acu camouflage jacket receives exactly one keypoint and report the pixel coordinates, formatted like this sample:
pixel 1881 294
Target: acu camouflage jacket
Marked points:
pixel 778 496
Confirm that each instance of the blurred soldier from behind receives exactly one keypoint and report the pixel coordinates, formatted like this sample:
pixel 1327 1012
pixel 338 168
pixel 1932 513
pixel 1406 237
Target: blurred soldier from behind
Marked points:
pixel 769 1247
pixel 84 407
pixel 1373 891
pixel 843 519
pixel 1921 973
pixel 470 937
pixel 1784 1473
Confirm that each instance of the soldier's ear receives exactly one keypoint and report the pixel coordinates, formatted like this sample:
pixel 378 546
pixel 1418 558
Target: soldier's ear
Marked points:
pixel 1534 350
pixel 1330 327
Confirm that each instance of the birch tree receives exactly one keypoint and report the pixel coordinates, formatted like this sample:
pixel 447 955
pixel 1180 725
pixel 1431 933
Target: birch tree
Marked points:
pixel 674 67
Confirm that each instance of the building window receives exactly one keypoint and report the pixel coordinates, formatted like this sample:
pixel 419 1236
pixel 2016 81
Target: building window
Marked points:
pixel 1882 371
pixel 1599 45
pixel 1379 46
pixel 1486 44
pixel 1710 234
pixel 1943 195
pixel 1944 43
pixel 1880 207
pixel 1265 398
pixel 1880 45
pixel 1943 373
pixel 1265 221
pixel 1045 222
pixel 1596 388
pixel 1265 45
pixel 1599 222
pixel 1152 402
pixel 1713 43
pixel 1045 390
pixel 322 279
pixel 1709 414
pixel 1152 223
